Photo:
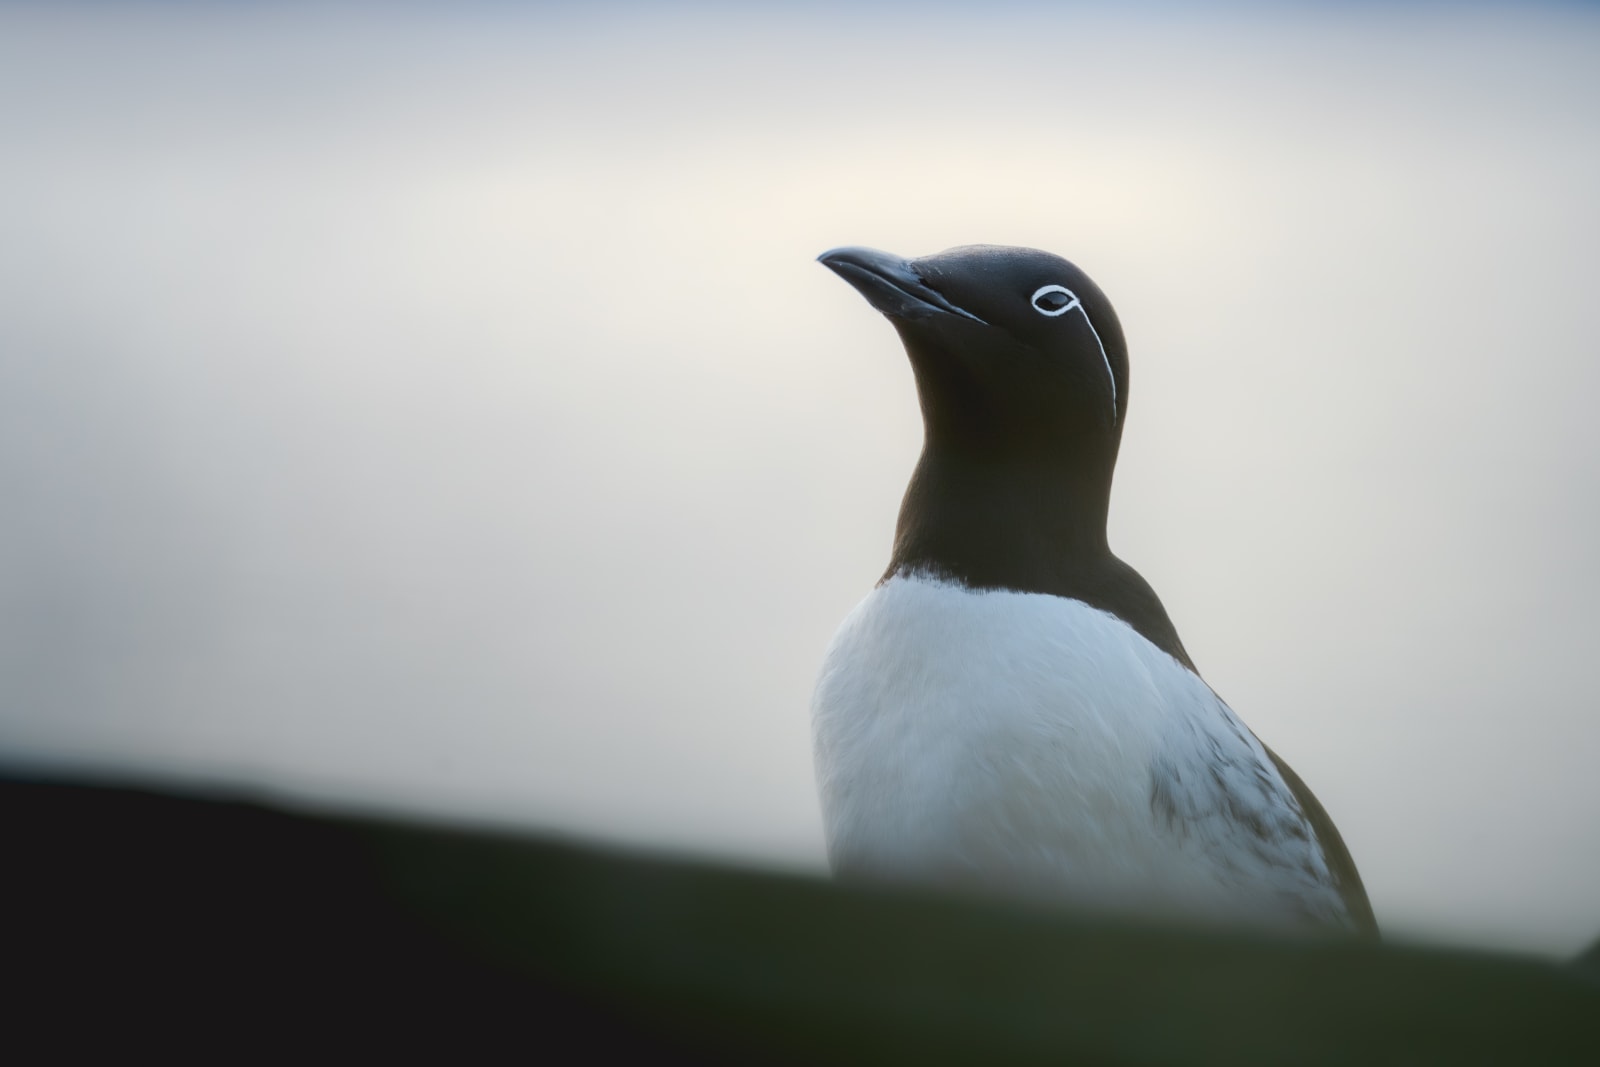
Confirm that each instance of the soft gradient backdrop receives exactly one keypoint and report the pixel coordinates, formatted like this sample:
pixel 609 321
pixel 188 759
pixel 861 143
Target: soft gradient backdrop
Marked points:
pixel 441 411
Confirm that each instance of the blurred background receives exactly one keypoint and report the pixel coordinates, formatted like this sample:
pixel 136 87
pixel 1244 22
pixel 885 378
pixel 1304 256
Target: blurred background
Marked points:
pixel 439 411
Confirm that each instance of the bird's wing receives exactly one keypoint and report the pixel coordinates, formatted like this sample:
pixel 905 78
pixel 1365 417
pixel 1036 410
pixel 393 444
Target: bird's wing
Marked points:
pixel 1215 785
pixel 1340 865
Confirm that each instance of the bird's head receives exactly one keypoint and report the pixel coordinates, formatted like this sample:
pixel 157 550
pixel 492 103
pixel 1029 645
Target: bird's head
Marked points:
pixel 1016 352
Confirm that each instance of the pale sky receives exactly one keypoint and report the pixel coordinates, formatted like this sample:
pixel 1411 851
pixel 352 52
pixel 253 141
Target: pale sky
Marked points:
pixel 442 412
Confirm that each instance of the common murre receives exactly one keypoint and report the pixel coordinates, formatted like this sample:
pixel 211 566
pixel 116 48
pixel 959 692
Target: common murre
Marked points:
pixel 1010 709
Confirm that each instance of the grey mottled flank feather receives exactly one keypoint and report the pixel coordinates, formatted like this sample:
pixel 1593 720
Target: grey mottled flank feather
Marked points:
pixel 1249 819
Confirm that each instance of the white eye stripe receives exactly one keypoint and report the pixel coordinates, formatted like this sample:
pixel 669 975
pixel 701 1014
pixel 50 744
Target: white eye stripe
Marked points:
pixel 1074 302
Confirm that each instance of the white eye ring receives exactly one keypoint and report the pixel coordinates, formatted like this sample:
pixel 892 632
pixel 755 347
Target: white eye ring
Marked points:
pixel 1046 290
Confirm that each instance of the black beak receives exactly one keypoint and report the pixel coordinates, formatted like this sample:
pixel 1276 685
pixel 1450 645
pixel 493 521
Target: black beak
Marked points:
pixel 890 284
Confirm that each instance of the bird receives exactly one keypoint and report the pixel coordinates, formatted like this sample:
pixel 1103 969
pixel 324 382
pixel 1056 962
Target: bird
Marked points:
pixel 1010 710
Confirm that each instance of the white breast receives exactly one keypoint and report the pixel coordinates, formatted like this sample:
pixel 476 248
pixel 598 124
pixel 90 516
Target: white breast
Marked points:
pixel 1034 746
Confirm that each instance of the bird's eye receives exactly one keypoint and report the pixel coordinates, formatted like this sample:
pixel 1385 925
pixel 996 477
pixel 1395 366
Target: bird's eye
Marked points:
pixel 1053 300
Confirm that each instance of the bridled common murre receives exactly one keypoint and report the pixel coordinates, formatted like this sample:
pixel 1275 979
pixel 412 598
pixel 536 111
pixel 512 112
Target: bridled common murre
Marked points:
pixel 1010 710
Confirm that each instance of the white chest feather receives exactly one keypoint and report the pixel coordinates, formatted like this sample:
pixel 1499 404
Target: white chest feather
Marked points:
pixel 1032 745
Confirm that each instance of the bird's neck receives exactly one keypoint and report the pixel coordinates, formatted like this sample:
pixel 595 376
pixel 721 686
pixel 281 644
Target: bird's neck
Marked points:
pixel 1003 522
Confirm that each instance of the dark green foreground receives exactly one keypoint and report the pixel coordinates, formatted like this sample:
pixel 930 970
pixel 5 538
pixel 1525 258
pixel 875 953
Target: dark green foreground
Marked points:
pixel 160 920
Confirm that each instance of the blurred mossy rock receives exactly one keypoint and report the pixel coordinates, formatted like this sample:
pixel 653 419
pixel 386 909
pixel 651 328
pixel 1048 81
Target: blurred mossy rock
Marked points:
pixel 157 920
pixel 1589 960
